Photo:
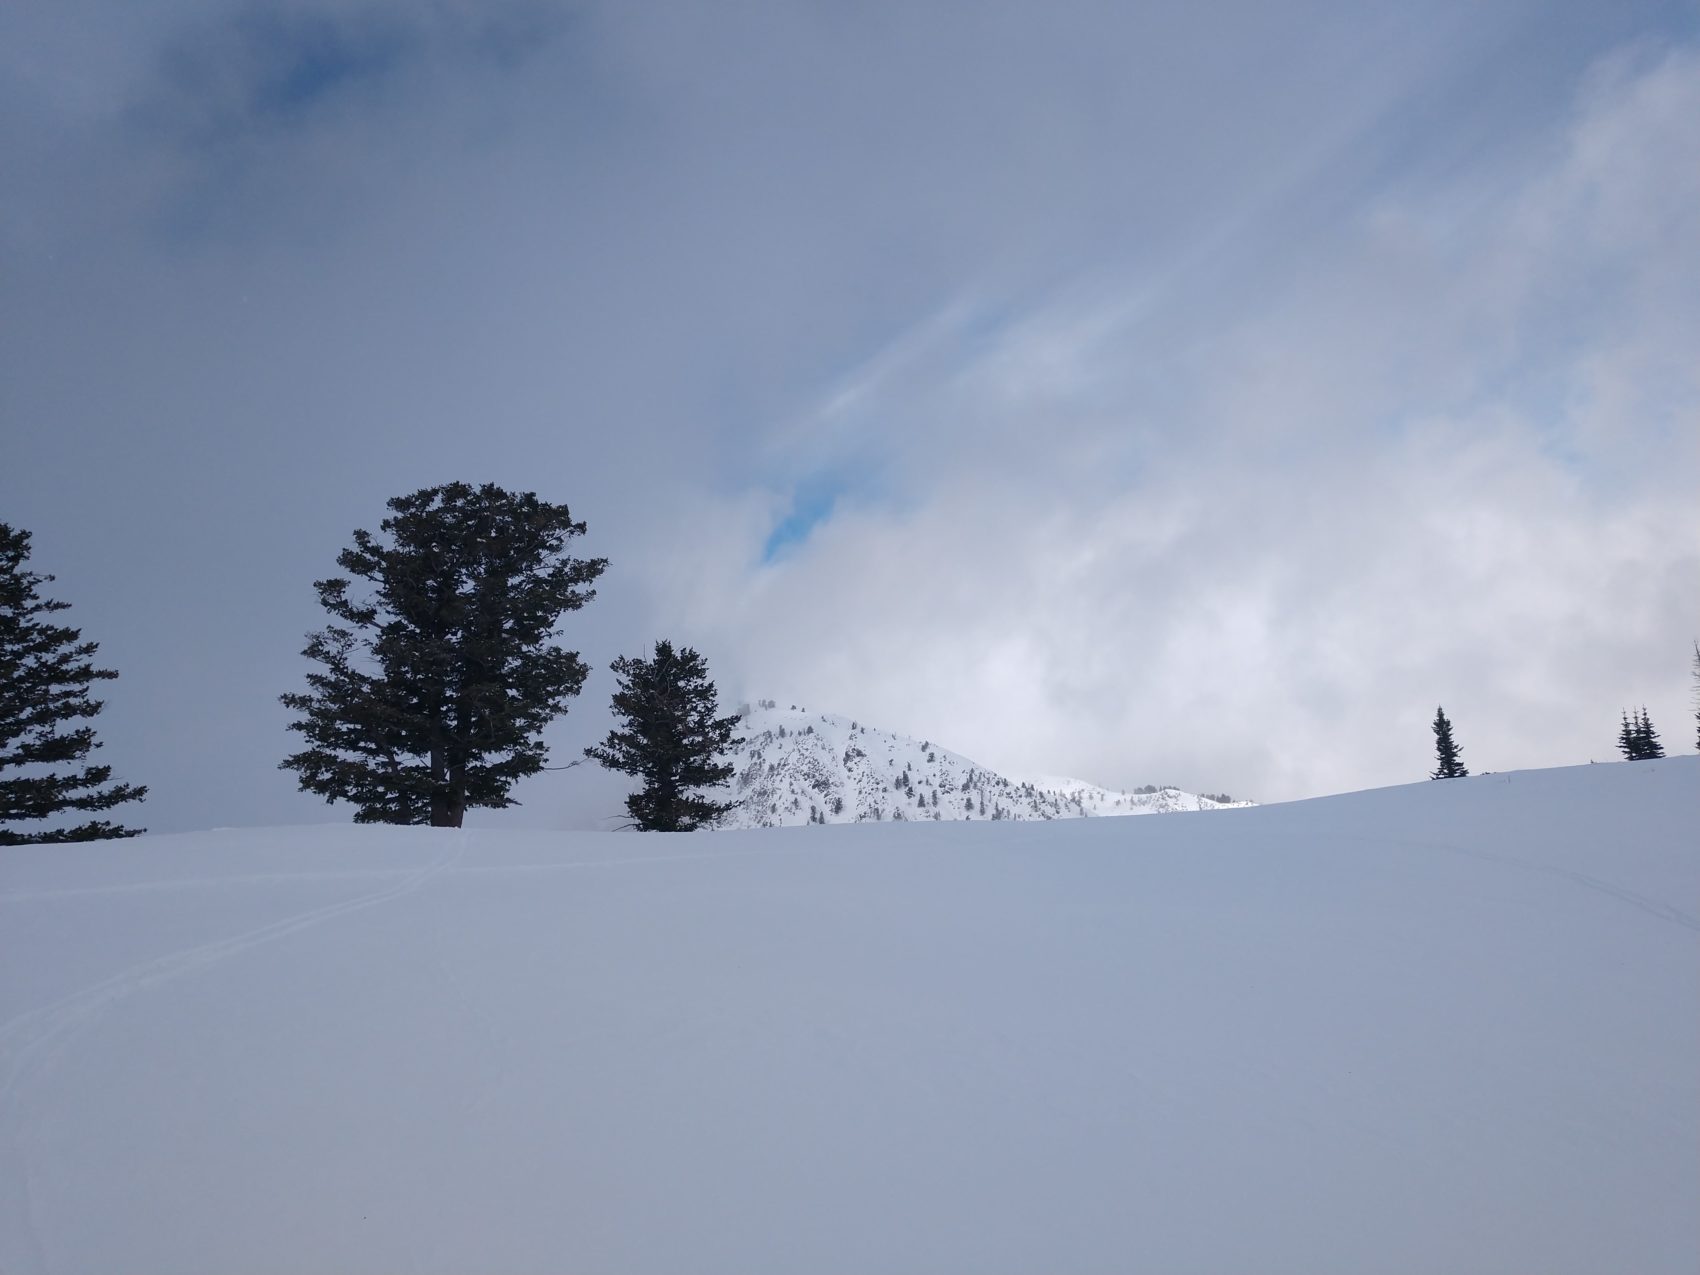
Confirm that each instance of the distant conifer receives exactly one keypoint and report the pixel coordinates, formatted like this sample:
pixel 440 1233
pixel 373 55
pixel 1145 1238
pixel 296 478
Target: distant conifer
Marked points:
pixel 1636 738
pixel 1447 752
pixel 1697 695
pixel 1646 738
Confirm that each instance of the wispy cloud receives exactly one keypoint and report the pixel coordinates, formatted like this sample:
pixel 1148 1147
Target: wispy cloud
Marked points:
pixel 1454 462
pixel 1151 392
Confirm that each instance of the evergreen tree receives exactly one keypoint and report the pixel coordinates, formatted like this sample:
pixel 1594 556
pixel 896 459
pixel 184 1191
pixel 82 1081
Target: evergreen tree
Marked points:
pixel 1636 738
pixel 1648 747
pixel 1697 695
pixel 1447 752
pixel 670 739
pixel 46 671
pixel 437 686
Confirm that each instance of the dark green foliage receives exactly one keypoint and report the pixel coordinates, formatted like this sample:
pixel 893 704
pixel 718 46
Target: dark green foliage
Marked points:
pixel 670 739
pixel 437 686
pixel 1650 745
pixel 1697 695
pixel 1446 750
pixel 46 671
pixel 1636 738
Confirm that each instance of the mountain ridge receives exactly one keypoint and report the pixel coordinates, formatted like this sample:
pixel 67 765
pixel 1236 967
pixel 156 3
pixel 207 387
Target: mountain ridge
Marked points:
pixel 798 767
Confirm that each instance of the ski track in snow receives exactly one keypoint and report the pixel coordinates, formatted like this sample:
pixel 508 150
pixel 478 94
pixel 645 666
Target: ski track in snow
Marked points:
pixel 366 874
pixel 1652 907
pixel 1575 1132
pixel 31 1038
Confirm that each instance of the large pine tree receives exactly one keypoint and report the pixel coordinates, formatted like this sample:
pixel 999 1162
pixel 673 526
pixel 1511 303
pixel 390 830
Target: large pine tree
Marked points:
pixel 1447 753
pixel 671 739
pixel 46 672
pixel 437 685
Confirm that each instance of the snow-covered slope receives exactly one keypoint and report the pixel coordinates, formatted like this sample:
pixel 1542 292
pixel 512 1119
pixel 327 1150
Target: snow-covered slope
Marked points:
pixel 1447 1027
pixel 797 767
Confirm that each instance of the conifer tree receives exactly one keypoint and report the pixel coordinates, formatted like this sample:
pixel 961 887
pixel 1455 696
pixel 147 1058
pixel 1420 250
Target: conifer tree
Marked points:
pixel 671 739
pixel 1626 739
pixel 1636 738
pixel 46 671
pixel 1697 696
pixel 437 685
pixel 1447 752
pixel 1648 747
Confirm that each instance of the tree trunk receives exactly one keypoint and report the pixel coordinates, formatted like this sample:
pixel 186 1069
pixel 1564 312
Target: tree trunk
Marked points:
pixel 448 807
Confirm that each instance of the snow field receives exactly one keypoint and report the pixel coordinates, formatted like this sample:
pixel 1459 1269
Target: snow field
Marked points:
pixel 1443 1027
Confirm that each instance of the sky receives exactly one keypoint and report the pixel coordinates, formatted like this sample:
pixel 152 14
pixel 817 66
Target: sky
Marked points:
pixel 1172 393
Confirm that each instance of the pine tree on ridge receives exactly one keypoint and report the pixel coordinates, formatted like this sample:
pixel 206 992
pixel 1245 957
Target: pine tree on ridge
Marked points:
pixel 436 687
pixel 1697 695
pixel 671 739
pixel 46 671
pixel 1637 740
pixel 1651 749
pixel 1447 753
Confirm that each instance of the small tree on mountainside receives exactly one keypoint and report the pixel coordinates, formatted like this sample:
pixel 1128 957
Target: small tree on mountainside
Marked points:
pixel 1697 695
pixel 1650 738
pixel 1648 747
pixel 1626 742
pixel 1636 738
pixel 1447 752
pixel 671 740
pixel 45 674
pixel 437 685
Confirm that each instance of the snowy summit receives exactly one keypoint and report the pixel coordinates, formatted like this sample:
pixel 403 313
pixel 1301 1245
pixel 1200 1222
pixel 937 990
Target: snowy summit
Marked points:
pixel 800 767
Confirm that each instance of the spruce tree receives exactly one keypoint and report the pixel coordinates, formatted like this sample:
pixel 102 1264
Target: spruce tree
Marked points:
pixel 1648 747
pixel 437 683
pixel 1636 738
pixel 670 739
pixel 1447 752
pixel 1697 696
pixel 46 671
pixel 1627 743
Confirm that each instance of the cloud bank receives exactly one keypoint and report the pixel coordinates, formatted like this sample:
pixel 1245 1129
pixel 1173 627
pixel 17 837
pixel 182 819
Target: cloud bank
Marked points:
pixel 1156 396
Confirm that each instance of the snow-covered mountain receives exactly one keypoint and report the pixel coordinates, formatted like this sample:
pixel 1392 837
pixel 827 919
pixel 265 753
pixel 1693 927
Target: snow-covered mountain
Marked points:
pixel 800 767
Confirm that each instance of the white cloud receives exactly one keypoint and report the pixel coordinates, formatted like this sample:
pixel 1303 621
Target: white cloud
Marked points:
pixel 1196 400
pixel 1456 462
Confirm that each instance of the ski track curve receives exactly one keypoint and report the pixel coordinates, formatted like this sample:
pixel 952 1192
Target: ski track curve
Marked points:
pixel 1652 907
pixel 34 1036
pixel 51 894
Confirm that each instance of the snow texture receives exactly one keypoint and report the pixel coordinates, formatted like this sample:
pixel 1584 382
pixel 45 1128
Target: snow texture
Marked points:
pixel 797 767
pixel 1446 1027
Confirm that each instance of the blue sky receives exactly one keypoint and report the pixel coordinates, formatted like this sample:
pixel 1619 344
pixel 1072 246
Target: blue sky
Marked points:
pixel 812 503
pixel 1158 394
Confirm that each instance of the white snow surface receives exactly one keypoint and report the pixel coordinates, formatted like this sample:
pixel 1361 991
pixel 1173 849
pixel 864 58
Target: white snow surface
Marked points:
pixel 1445 1027
pixel 801 767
